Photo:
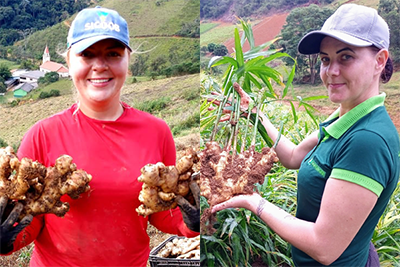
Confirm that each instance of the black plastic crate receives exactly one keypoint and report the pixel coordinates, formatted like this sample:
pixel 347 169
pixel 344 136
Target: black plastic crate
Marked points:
pixel 156 261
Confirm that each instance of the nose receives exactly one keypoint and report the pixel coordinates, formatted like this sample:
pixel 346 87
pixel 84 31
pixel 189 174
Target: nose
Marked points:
pixel 333 69
pixel 99 64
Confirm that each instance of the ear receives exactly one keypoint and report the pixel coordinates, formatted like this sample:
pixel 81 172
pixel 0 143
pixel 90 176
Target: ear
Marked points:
pixel 381 57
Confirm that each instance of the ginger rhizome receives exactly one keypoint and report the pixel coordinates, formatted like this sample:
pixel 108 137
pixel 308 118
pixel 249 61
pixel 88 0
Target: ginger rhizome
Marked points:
pixel 181 248
pixel 38 188
pixel 225 175
pixel 161 184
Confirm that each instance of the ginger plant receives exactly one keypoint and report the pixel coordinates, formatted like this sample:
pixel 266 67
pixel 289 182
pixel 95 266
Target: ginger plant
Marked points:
pixel 233 170
pixel 38 188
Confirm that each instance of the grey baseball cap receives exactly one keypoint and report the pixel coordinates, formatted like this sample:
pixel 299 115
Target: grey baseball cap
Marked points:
pixel 352 24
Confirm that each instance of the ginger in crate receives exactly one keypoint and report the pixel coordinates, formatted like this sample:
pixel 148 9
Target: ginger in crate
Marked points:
pixel 161 184
pixel 181 248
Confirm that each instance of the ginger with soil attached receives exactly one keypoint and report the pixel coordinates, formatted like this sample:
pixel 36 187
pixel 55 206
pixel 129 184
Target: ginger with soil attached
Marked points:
pixel 161 184
pixel 38 188
pixel 224 175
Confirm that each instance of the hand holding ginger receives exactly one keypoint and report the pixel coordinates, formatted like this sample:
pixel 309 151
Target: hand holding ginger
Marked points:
pixel 37 188
pixel 162 184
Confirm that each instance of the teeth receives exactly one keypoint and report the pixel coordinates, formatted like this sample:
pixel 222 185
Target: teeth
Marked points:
pixel 99 81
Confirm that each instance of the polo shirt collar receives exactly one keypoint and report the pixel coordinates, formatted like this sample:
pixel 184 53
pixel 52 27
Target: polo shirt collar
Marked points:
pixel 337 128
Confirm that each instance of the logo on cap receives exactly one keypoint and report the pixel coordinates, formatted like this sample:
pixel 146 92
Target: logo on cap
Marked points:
pixel 102 24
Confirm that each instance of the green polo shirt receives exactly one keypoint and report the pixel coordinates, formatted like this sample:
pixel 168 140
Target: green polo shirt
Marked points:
pixel 361 147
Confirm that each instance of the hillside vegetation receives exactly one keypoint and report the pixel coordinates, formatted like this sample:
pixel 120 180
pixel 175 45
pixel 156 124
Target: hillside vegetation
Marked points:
pixel 162 26
pixel 176 100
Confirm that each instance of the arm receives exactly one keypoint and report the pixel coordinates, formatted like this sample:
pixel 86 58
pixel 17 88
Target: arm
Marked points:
pixel 290 155
pixel 171 222
pixel 344 208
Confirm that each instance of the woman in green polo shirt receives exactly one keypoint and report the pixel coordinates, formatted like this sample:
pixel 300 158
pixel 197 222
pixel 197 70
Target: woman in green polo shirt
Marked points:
pixel 349 169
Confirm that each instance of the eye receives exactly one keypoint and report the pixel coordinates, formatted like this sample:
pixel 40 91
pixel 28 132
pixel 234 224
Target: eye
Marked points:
pixel 346 57
pixel 86 53
pixel 324 60
pixel 114 54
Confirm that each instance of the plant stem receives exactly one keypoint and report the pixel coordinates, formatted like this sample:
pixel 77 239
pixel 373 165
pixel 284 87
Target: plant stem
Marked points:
pixel 219 114
pixel 253 141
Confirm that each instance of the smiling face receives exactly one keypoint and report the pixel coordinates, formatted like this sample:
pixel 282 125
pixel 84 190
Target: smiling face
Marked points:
pixel 351 74
pixel 99 73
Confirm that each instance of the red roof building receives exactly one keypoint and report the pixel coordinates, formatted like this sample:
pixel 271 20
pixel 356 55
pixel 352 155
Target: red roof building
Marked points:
pixel 49 66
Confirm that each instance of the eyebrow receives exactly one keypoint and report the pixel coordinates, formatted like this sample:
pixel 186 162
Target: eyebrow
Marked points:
pixel 339 51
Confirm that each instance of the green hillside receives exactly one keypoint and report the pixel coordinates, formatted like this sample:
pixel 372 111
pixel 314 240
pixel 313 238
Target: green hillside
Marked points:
pixel 171 20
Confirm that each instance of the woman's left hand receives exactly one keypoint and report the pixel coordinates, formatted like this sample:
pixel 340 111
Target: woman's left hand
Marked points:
pixel 240 201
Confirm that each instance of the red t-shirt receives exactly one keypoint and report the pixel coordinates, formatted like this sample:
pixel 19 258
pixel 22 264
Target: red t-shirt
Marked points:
pixel 102 227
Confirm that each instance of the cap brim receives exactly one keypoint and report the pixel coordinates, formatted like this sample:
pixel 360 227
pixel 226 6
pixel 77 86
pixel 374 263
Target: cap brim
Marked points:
pixel 80 46
pixel 311 42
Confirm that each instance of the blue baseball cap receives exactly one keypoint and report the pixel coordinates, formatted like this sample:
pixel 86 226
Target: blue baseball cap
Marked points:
pixel 92 25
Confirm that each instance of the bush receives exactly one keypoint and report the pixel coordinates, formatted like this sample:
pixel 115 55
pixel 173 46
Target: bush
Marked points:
pixel 52 93
pixel 3 143
pixel 220 50
pixel 211 47
pixel 153 106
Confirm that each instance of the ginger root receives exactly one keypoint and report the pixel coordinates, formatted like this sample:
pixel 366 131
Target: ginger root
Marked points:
pixel 161 184
pixel 181 248
pixel 224 175
pixel 38 188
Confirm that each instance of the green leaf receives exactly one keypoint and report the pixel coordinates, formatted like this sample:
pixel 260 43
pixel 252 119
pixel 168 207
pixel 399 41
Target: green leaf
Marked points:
pixel 310 98
pixel 216 61
pixel 248 32
pixel 294 112
pixel 238 49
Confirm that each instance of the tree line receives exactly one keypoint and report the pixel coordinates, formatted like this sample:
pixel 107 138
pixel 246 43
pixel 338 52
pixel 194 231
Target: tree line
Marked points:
pixel 19 18
pixel 212 9
pixel 302 20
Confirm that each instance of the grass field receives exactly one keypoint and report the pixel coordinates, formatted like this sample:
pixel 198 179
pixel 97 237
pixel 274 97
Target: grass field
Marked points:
pixel 204 27
pixel 11 65
pixel 217 35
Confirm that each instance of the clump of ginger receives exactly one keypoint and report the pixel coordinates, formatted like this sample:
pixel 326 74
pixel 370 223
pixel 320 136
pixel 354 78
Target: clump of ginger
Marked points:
pixel 38 188
pixel 224 175
pixel 181 248
pixel 161 184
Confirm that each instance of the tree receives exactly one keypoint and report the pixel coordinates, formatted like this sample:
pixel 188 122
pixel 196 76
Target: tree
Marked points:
pixel 51 77
pixel 211 47
pixel 27 64
pixel 139 65
pixel 390 12
pixel 5 73
pixel 299 22
pixel 220 50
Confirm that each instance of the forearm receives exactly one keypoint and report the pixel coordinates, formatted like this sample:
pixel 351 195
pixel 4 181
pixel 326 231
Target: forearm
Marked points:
pixel 284 148
pixel 289 154
pixel 301 234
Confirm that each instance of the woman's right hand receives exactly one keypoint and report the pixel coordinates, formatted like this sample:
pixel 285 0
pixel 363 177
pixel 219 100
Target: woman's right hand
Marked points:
pixel 8 229
pixel 245 103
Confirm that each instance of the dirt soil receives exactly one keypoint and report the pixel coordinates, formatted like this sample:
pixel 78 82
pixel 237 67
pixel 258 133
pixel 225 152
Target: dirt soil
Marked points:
pixel 224 176
pixel 264 31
